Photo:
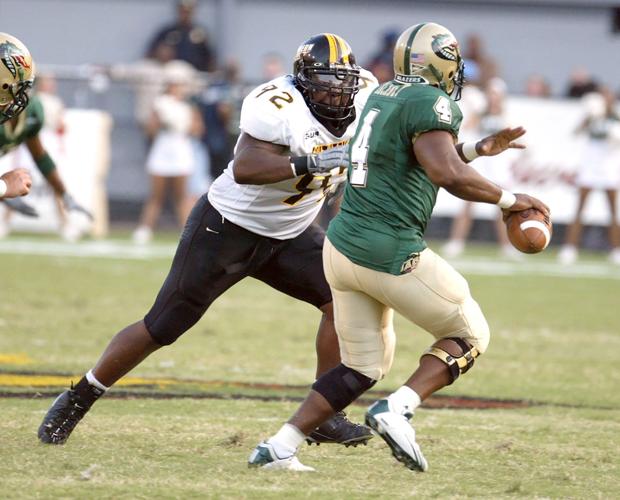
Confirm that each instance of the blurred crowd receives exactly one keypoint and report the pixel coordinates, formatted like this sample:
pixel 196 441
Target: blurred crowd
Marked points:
pixel 187 105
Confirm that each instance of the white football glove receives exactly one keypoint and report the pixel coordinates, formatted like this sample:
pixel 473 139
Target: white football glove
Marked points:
pixel 323 162
pixel 73 206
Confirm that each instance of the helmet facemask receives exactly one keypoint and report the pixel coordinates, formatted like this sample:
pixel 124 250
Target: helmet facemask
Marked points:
pixel 330 93
pixel 328 78
pixel 454 86
pixel 20 98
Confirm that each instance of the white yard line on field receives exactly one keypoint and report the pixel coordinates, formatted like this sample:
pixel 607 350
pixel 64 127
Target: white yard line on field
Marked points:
pixel 124 249
pixel 108 249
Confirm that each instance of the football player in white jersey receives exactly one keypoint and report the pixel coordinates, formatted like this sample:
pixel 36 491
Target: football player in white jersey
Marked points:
pixel 257 220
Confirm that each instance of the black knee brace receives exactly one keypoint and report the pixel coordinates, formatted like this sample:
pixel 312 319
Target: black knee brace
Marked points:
pixel 341 385
pixel 456 364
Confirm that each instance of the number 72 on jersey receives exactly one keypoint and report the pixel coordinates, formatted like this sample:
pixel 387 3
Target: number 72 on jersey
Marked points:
pixel 359 151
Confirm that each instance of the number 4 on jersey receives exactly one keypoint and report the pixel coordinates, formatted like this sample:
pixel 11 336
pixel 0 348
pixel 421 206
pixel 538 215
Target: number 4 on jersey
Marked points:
pixel 359 151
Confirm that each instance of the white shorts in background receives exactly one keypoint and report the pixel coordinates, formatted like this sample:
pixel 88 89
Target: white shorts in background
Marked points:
pixel 599 167
pixel 171 155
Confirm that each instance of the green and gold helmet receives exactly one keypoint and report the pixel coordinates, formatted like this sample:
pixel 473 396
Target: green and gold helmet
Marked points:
pixel 16 76
pixel 428 53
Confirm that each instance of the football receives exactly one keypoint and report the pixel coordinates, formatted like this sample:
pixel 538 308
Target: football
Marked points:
pixel 529 230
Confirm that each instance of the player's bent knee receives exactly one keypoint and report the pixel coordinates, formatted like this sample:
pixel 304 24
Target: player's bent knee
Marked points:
pixel 342 385
pixel 479 333
pixel 457 353
pixel 166 323
pixel 367 351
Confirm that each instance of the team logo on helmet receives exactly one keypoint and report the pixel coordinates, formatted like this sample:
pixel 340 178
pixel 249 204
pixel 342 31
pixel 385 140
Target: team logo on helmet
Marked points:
pixel 12 58
pixel 445 47
pixel 304 50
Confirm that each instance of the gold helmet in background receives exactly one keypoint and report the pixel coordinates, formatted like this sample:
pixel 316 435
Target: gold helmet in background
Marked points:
pixel 16 76
pixel 429 53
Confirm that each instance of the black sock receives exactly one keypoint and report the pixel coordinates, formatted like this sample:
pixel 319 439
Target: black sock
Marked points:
pixel 87 393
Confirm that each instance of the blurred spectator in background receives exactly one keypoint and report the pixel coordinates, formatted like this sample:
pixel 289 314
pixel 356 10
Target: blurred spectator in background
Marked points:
pixel 53 107
pixel 148 77
pixel 381 63
pixel 219 105
pixel 580 83
pixel 491 120
pixel 537 86
pixel 479 66
pixel 273 66
pixel 172 157
pixel 189 41
pixel 599 170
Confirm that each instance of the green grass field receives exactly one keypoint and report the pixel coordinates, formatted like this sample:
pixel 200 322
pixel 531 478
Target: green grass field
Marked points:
pixel 555 343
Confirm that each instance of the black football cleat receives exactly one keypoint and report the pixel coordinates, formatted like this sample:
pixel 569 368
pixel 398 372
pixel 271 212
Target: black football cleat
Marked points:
pixel 339 429
pixel 61 418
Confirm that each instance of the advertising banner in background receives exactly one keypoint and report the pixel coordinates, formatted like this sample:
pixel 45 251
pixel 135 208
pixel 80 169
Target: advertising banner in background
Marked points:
pixel 547 166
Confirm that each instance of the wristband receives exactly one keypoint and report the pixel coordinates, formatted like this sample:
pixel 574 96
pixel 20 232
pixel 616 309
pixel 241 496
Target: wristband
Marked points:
pixel 469 151
pixel 299 165
pixel 3 188
pixel 506 200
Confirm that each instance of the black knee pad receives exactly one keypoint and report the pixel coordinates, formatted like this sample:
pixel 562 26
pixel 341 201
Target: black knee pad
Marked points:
pixel 341 385
pixel 168 320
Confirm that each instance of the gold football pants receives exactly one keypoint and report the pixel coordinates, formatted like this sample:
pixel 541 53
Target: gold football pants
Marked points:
pixel 433 295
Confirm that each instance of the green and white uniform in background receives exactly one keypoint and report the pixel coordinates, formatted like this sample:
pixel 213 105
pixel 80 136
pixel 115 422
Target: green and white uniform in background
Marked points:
pixel 389 198
pixel 29 124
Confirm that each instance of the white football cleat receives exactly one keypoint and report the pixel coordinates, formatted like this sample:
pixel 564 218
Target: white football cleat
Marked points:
pixel 265 457
pixel 398 433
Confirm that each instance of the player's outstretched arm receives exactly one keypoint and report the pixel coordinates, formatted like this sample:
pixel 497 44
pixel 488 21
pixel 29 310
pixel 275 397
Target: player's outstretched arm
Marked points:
pixel 48 168
pixel 492 145
pixel 436 153
pixel 260 162
pixel 15 183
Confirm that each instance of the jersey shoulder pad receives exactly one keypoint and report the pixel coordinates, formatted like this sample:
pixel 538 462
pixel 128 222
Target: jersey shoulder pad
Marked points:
pixel 368 82
pixel 428 108
pixel 266 110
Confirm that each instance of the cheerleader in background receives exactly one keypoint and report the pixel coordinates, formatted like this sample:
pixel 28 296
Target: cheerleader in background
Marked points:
pixel 599 170
pixel 174 124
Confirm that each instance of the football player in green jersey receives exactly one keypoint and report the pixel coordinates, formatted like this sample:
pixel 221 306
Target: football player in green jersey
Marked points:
pixel 22 118
pixel 375 257
pixel 16 76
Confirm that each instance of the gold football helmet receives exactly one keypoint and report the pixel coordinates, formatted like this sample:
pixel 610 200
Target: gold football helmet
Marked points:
pixel 16 76
pixel 429 53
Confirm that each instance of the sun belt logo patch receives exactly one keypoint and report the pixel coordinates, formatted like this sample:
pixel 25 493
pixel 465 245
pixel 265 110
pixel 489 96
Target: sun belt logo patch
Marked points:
pixel 445 47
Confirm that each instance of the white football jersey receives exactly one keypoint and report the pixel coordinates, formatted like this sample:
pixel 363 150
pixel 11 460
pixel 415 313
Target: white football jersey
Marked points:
pixel 276 112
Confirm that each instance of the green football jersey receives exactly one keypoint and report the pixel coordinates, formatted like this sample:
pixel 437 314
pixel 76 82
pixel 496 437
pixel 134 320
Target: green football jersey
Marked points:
pixel 28 124
pixel 389 198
